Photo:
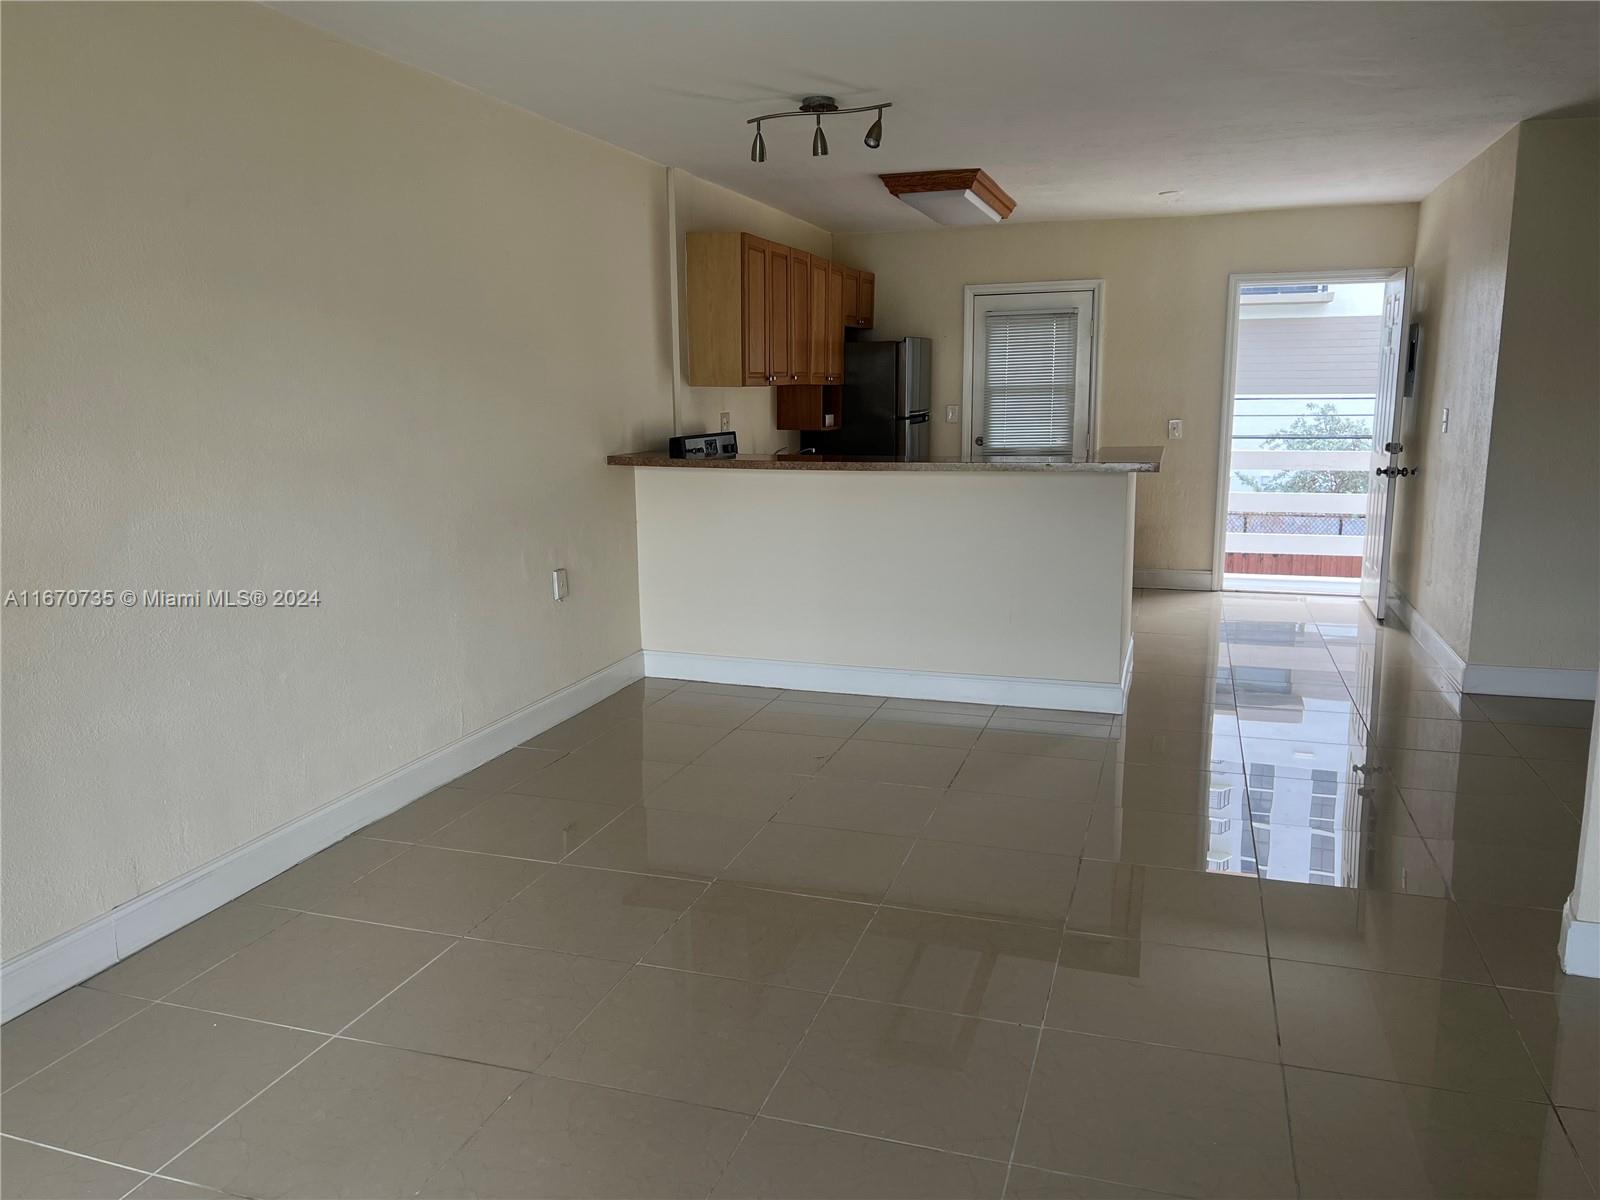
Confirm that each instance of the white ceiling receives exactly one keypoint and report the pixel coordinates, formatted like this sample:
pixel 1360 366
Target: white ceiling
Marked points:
pixel 1076 109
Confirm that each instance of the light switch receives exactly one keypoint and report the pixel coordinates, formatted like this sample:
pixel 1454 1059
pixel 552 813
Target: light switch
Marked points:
pixel 1444 421
pixel 952 414
pixel 1174 430
pixel 558 583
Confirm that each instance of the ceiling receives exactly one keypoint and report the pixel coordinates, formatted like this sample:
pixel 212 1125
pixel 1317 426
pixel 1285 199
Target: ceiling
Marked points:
pixel 1076 109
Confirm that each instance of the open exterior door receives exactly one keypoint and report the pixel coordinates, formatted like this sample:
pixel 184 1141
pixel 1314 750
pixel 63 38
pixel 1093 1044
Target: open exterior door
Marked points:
pixel 1388 417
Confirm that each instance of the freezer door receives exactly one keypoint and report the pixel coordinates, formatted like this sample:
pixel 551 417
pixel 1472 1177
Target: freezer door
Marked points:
pixel 913 362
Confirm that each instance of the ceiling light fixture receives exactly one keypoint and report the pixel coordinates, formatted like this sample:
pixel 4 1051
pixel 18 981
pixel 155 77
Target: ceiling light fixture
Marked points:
pixel 819 107
pixel 960 197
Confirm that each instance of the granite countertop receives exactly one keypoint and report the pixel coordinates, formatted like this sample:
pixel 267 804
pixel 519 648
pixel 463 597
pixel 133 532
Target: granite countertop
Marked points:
pixel 1109 460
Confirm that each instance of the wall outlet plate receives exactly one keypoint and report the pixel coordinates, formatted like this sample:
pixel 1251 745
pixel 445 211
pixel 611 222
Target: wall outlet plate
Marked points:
pixel 727 422
pixel 1175 430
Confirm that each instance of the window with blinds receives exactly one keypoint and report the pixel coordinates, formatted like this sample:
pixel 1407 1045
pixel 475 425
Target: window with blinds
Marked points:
pixel 1029 382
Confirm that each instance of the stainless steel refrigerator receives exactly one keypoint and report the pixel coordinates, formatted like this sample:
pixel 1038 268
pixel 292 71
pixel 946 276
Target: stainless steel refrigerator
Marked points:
pixel 885 404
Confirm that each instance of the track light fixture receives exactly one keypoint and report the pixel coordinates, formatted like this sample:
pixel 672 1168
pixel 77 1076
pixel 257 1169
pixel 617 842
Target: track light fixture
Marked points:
pixel 819 107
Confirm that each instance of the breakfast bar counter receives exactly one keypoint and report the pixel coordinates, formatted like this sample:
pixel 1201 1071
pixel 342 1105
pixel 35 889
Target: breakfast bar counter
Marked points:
pixel 1001 581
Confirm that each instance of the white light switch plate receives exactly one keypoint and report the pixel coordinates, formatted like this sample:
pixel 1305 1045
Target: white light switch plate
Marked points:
pixel 727 422
pixel 558 583
pixel 952 414
pixel 1175 430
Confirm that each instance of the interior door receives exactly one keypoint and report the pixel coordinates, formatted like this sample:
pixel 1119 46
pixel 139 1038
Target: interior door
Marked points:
pixel 1387 424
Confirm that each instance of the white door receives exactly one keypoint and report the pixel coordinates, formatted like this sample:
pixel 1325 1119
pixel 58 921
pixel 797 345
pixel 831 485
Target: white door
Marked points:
pixel 1030 374
pixel 1388 416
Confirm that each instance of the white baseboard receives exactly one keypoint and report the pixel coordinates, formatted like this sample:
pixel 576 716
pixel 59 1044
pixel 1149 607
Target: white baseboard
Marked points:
pixel 889 681
pixel 1172 581
pixel 1428 638
pixel 1580 945
pixel 70 958
pixel 1554 683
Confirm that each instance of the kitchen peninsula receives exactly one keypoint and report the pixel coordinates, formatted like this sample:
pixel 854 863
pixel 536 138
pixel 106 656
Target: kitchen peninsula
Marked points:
pixel 1005 580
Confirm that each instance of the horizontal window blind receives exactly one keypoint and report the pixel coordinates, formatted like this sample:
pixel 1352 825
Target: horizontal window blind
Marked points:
pixel 1029 382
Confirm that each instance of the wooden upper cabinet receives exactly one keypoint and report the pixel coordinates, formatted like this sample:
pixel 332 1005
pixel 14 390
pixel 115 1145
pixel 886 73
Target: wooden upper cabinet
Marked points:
pixel 820 330
pixel 763 314
pixel 799 317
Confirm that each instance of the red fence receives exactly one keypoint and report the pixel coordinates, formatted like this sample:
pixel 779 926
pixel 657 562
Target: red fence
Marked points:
pixel 1322 566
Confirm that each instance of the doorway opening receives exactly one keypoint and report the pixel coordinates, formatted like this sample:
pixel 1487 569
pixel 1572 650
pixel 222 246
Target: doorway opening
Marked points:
pixel 1306 355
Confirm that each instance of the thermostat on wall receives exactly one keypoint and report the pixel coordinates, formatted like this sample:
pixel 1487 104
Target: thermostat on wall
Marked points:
pixel 704 445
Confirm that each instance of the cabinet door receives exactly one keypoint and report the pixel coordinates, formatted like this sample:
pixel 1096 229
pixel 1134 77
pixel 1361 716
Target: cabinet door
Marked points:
pixel 817 357
pixel 834 351
pixel 778 343
pixel 852 296
pixel 866 300
pixel 799 316
pixel 754 288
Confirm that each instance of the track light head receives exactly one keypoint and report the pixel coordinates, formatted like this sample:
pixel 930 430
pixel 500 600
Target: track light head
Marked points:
pixel 819 142
pixel 758 148
pixel 874 137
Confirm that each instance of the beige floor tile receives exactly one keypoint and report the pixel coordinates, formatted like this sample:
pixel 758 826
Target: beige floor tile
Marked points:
pixel 1216 749
pixel 837 699
pixel 789 753
pixel 662 841
pixel 1522 946
pixel 656 739
pixel 689 1037
pixel 510 769
pixel 1172 995
pixel 525 827
pixel 159 1187
pixel 862 805
pixel 1364 1137
pixel 431 813
pixel 1430 1032
pixel 1520 876
pixel 1464 774
pixel 558 1140
pixel 983 881
pixel 36 1173
pixel 504 1005
pixel 445 891
pixel 1160 839
pixel 607 914
pixel 146 1089
pixel 1583 1130
pixel 957 708
pixel 783 1161
pixel 1008 716
pixel 726 713
pixel 953 731
pixel 1562 1033
pixel 931 1079
pixel 1528 819
pixel 1155 1117
pixel 1030 1183
pixel 1182 908
pixel 837 863
pixel 595 777
pixel 1181 790
pixel 352 1120
pixel 575 732
pixel 198 946
pixel 1012 822
pixel 1566 781
pixel 1027 775
pixel 1374 931
pixel 763 937
pixel 896 762
pixel 313 973
pixel 1449 737
pixel 38 1037
pixel 818 720
pixel 1371 861
pixel 747 691
pixel 953 964
pixel 1428 703
pixel 726 791
pixel 1532 710
pixel 342 863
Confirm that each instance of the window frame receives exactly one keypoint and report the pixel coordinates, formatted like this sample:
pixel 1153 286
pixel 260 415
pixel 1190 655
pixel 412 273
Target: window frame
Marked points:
pixel 971 294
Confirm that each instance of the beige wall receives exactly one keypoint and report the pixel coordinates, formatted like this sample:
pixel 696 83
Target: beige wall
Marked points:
pixel 1542 495
pixel 1459 288
pixel 849 569
pixel 281 312
pixel 1164 324
pixel 707 208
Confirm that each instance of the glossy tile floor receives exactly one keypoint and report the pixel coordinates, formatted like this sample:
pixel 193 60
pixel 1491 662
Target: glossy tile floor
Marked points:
pixel 1264 936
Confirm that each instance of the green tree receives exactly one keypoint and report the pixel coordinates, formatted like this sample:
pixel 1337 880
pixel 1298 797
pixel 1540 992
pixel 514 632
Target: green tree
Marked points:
pixel 1322 427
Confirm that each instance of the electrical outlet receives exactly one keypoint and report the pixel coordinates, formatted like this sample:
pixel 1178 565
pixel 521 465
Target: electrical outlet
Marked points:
pixel 1175 430
pixel 558 583
pixel 1444 421
pixel 727 423
pixel 952 414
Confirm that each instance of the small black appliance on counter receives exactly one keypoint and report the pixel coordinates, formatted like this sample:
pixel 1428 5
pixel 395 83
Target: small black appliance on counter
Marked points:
pixel 704 445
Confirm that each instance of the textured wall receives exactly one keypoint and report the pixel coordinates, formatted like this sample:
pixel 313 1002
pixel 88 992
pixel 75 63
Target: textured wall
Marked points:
pixel 281 312
pixel 1459 291
pixel 1164 325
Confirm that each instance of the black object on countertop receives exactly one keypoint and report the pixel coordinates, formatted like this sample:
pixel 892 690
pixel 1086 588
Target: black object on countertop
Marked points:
pixel 704 445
